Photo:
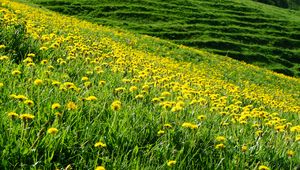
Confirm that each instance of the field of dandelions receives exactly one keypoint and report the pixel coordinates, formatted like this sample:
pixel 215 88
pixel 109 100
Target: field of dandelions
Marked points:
pixel 76 95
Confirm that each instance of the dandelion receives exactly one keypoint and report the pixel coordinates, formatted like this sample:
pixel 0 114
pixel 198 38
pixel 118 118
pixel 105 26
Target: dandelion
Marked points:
pixel 52 131
pixel 263 167
pixel 102 82
pixel 119 90
pixel 2 46
pixel 171 163
pixel 43 62
pixel 133 88
pixel 220 146
pixel 84 79
pixel 100 145
pixel 4 58
pixel 220 138
pixel 91 98
pixel 201 117
pixel 71 106
pixel 26 116
pixel 116 105
pixel 44 48
pixel 55 106
pixel 160 132
pixel 1 85
pixel 31 55
pixel 38 82
pixel 28 60
pixel 189 125
pixel 167 125
pixel 139 96
pixel 13 115
pixel 29 103
pixel 258 132
pixel 244 148
pixel 100 168
pixel 87 84
pixel 30 65
pixel 16 72
pixel 290 153
pixel 55 83
pixel 165 94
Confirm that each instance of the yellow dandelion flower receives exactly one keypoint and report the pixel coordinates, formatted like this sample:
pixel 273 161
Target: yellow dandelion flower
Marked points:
pixel 13 115
pixel 84 78
pixel 295 129
pixel 290 153
pixel 91 98
pixel 44 48
pixel 116 105
pixel 189 125
pixel 44 62
pixel 102 82
pixel 26 116
pixel 171 163
pixel 100 168
pixel 29 103
pixel 160 132
pixel 155 100
pixel 31 55
pixel 1 85
pixel 263 167
pixel 165 94
pixel 280 128
pixel 133 88
pixel 220 146
pixel 28 60
pixel 2 46
pixel 201 117
pixel 71 106
pixel 4 58
pixel 139 96
pixel 38 82
pixel 244 148
pixel 52 131
pixel 167 125
pixel 100 145
pixel 87 84
pixel 16 72
pixel 55 106
pixel 119 90
pixel 220 138
pixel 30 65
pixel 258 132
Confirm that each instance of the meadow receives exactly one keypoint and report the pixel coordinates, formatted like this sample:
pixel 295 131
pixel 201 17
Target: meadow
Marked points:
pixel 263 35
pixel 77 95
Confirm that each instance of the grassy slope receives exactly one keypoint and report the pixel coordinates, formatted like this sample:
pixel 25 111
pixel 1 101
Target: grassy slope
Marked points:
pixel 292 4
pixel 248 98
pixel 253 32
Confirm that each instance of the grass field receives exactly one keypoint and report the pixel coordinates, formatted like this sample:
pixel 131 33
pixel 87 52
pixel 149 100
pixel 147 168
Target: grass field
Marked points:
pixel 76 95
pixel 260 34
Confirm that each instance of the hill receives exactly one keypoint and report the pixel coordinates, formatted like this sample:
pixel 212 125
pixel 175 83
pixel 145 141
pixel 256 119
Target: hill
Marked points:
pixel 292 4
pixel 249 31
pixel 77 95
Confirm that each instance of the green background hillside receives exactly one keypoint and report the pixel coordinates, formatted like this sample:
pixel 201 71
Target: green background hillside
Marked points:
pixel 260 34
pixel 292 4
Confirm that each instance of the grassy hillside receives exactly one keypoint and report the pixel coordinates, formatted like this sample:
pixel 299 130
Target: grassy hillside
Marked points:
pixel 76 95
pixel 292 4
pixel 245 30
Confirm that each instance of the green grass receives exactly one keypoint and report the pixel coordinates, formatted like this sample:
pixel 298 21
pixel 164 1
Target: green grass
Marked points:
pixel 249 31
